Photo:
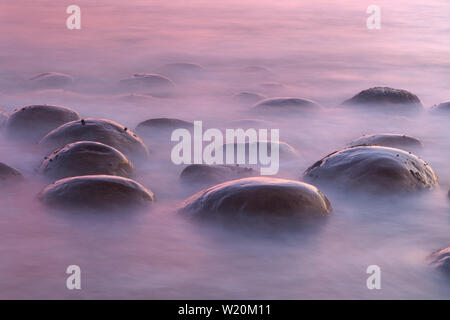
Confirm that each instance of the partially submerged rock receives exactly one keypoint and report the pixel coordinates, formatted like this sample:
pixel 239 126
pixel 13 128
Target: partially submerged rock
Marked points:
pixel 288 105
pixel 50 80
pixel 162 127
pixel 394 140
pixel 100 130
pixel 374 169
pixel 207 175
pixel 260 196
pixel 96 192
pixel 3 118
pixel 86 158
pixel 443 107
pixel 152 83
pixel 441 260
pixel 33 122
pixel 9 174
pixel 387 99
pixel 286 151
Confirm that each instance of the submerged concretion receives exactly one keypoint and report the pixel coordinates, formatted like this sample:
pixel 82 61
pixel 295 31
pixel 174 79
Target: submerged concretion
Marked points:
pixel 394 140
pixel 443 107
pixel 288 104
pixel 182 70
pixel 387 99
pixel 50 80
pixel 100 130
pixel 96 192
pixel 441 260
pixel 147 83
pixel 162 127
pixel 86 158
pixel 203 174
pixel 33 122
pixel 8 174
pixel 373 169
pixel 260 196
pixel 248 97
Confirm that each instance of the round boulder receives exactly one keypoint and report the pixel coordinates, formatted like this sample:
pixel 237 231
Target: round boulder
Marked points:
pixel 9 174
pixel 162 127
pixel 288 104
pixel 96 192
pixel 443 107
pixel 394 140
pixel 441 260
pixel 147 83
pixel 386 98
pixel 100 130
pixel 86 158
pixel 374 169
pixel 286 151
pixel 260 196
pixel 50 80
pixel 33 122
pixel 203 174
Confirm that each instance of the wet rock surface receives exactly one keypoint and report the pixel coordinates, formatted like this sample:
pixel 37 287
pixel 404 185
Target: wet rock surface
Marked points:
pixel 9 174
pixel 96 192
pixel 394 140
pixel 100 130
pixel 443 107
pixel 86 158
pixel 150 83
pixel 260 196
pixel 50 80
pixel 386 98
pixel 285 104
pixel 162 127
pixel 35 121
pixel 441 260
pixel 207 175
pixel 374 169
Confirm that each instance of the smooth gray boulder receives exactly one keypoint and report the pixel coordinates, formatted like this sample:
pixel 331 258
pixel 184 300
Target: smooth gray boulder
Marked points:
pixel 162 127
pixel 443 107
pixel 32 122
pixel 208 175
pixel 9 174
pixel 50 80
pixel 372 169
pixel 441 260
pixel 394 140
pixel 260 196
pixel 86 158
pixel 385 98
pixel 287 104
pixel 100 130
pixel 101 192
pixel 151 83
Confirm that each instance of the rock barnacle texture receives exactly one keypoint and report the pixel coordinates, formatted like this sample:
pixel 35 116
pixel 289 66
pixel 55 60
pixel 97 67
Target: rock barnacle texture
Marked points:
pixel 86 158
pixel 394 140
pixel 441 260
pixel 9 174
pixel 96 192
pixel 443 107
pixel 285 104
pixel 373 169
pixel 260 196
pixel 387 99
pixel 50 80
pixel 100 130
pixel 32 122
pixel 203 174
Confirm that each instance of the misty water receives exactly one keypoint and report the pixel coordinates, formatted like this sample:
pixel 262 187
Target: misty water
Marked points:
pixel 320 50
